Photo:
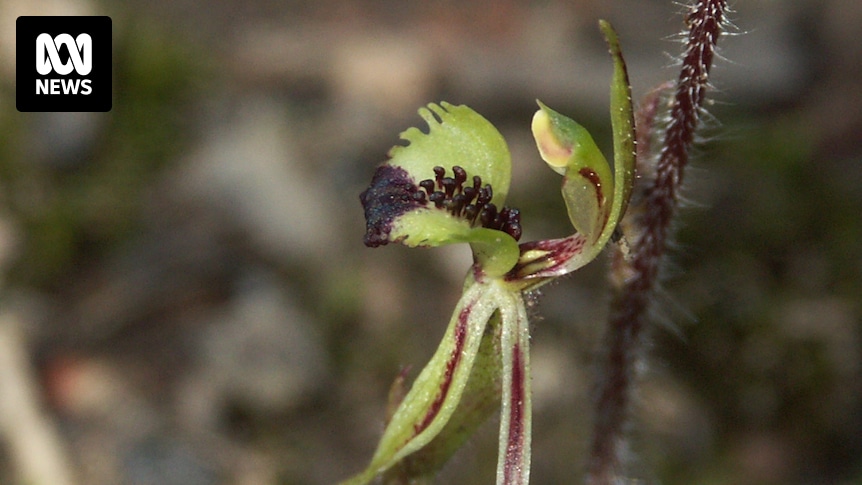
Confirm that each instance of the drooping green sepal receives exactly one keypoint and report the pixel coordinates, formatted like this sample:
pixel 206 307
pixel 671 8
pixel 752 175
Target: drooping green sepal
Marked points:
pixel 437 391
pixel 513 460
pixel 479 401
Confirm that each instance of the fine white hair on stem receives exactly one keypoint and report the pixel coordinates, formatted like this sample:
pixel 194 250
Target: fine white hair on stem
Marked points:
pixel 636 277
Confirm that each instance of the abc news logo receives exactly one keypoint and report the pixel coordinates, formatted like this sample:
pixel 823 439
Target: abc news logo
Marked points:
pixel 48 59
pixel 72 68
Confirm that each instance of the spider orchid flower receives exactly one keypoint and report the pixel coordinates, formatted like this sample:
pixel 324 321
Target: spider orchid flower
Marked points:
pixel 449 186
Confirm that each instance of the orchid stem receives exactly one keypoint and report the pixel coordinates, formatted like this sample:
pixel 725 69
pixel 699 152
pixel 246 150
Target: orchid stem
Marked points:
pixel 646 228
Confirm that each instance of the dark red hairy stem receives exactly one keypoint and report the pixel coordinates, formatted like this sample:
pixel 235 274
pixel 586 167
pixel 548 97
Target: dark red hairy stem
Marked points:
pixel 644 126
pixel 650 219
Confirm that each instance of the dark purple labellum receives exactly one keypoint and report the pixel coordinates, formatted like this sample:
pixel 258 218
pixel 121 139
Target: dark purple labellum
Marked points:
pixel 393 193
pixel 390 195
pixel 472 203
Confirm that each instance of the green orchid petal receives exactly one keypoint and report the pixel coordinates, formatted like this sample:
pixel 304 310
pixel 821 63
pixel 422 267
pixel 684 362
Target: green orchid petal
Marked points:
pixel 437 391
pixel 479 401
pixel 467 164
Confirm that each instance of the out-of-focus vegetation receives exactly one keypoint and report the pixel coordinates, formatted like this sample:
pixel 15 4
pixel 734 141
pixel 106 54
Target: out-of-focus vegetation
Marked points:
pixel 191 287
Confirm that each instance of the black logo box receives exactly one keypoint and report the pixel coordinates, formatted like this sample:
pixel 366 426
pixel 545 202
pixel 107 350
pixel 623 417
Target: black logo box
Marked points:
pixel 28 29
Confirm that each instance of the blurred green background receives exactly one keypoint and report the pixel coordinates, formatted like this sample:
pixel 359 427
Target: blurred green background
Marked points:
pixel 185 293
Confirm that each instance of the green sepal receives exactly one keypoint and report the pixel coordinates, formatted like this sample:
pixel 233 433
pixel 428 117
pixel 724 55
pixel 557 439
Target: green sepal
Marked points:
pixel 437 391
pixel 480 400
pixel 623 124
pixel 516 410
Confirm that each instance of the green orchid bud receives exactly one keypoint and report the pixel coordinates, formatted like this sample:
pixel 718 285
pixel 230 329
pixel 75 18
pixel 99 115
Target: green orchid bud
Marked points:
pixel 447 186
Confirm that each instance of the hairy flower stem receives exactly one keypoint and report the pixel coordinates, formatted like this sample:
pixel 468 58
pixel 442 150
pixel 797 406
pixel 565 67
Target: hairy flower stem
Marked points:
pixel 635 277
